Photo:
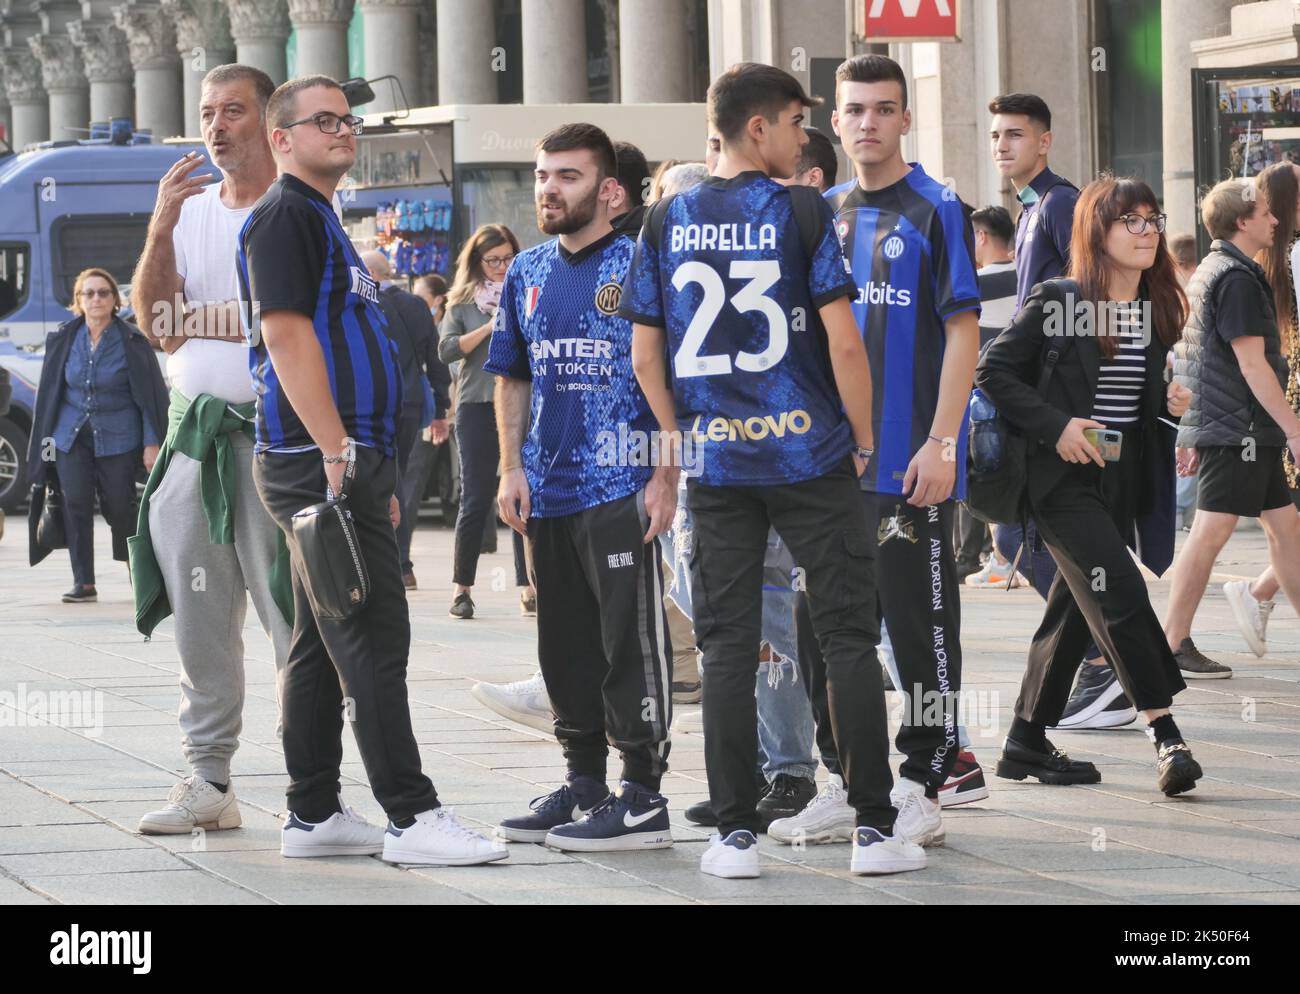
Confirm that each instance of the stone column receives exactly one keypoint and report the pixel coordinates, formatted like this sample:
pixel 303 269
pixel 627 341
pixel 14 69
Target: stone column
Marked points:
pixel 261 27
pixel 654 62
pixel 29 103
pixel 151 41
pixel 466 37
pixel 108 67
pixel 203 42
pixel 555 51
pixel 322 27
pixel 64 79
pixel 392 31
pixel 1180 25
pixel 6 112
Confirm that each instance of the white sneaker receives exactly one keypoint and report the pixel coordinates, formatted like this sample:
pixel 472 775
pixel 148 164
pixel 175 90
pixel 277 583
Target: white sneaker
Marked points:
pixel 688 722
pixel 344 833
pixel 735 857
pixel 919 819
pixel 876 853
pixel 438 839
pixel 997 575
pixel 193 803
pixel 524 701
pixel 826 818
pixel 1251 615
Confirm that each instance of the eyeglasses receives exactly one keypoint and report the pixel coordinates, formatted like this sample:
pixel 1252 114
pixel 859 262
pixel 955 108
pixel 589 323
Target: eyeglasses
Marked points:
pixel 91 294
pixel 1137 223
pixel 498 261
pixel 330 124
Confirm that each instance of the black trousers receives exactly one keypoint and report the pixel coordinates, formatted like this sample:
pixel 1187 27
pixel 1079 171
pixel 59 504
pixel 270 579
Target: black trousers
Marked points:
pixel 354 668
pixel 920 601
pixel 971 537
pixel 602 638
pixel 476 439
pixel 1099 593
pixel 821 522
pixel 82 474
pixel 408 437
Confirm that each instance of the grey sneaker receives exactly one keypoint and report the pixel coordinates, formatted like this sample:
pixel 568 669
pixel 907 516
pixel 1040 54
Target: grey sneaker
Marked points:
pixel 1198 666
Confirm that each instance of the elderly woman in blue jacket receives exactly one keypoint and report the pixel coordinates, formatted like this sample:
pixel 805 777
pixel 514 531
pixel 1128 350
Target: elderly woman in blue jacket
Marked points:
pixel 100 413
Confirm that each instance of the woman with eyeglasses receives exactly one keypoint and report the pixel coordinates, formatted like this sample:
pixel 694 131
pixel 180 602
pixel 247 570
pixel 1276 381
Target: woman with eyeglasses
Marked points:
pixel 101 411
pixel 1098 455
pixel 463 338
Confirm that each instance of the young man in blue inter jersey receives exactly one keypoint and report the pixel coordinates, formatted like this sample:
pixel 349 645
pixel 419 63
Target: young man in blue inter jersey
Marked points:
pixel 911 249
pixel 577 481
pixel 744 339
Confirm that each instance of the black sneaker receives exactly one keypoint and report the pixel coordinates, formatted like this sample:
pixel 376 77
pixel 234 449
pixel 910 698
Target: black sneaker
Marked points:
pixel 1097 701
pixel 462 607
pixel 1050 766
pixel 787 796
pixel 702 813
pixel 81 594
pixel 1198 666
pixel 1175 767
pixel 633 818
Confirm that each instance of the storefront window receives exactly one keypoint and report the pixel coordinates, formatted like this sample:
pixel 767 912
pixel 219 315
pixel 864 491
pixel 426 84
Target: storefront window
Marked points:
pixel 498 195
pixel 1245 120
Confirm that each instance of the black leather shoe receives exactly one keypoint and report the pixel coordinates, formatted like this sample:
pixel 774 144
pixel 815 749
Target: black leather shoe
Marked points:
pixel 787 797
pixel 702 813
pixel 1177 770
pixel 81 594
pixel 1053 766
pixel 462 607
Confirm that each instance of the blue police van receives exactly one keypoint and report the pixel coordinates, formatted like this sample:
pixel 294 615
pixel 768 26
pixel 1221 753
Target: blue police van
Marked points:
pixel 64 207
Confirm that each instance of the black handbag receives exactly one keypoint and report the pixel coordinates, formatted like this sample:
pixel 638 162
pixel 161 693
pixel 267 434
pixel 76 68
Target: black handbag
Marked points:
pixel 334 570
pixel 997 473
pixel 50 532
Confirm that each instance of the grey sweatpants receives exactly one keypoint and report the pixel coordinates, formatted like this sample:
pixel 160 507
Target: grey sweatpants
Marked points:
pixel 206 585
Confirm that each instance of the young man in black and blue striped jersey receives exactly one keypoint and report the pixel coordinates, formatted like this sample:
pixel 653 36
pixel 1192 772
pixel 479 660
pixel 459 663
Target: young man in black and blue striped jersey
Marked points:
pixel 329 392
pixel 911 249
pixel 579 482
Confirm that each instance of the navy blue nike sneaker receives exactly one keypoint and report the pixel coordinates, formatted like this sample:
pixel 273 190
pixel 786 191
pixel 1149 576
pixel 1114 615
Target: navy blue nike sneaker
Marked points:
pixel 577 797
pixel 634 817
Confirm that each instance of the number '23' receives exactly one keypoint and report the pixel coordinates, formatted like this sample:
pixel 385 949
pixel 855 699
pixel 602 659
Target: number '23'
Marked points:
pixel 762 276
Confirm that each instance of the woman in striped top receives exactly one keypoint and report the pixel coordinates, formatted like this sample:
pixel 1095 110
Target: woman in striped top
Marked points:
pixel 1119 312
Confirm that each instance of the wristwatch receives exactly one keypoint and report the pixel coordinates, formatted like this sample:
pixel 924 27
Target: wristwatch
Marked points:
pixel 863 454
pixel 348 454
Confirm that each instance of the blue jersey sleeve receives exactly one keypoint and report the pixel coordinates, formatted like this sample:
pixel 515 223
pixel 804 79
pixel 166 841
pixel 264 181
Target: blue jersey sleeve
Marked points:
pixel 829 274
pixel 956 287
pixel 642 288
pixel 508 349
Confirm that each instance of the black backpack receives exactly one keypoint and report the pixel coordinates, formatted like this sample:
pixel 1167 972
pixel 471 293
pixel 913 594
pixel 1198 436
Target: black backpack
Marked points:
pixel 997 494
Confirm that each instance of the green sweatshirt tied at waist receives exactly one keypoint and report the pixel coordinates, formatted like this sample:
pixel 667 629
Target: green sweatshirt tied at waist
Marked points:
pixel 201 429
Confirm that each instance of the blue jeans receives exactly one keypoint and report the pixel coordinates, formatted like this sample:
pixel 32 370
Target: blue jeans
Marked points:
pixel 785 720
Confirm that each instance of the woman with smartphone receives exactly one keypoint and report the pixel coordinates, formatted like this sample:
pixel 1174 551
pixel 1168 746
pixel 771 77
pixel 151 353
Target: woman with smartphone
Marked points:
pixel 1095 438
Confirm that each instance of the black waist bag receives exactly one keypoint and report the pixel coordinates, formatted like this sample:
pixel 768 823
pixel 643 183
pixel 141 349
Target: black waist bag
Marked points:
pixel 334 570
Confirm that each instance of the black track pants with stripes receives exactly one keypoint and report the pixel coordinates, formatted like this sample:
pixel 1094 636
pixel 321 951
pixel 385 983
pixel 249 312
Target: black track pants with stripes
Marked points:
pixel 602 638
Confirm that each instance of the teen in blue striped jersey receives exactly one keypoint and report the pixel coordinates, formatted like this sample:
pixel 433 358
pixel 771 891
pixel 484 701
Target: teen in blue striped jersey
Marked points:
pixel 911 248
pixel 740 294
pixel 330 390
pixel 578 481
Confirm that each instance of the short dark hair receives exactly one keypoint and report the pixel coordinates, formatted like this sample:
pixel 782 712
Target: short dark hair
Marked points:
pixel 871 69
pixel 235 72
pixel 1183 249
pixel 996 220
pixel 750 88
pixel 1031 105
pixel 820 151
pixel 283 105
pixel 569 137
pixel 633 172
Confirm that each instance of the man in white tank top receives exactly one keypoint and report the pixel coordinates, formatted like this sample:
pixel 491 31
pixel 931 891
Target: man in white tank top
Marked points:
pixel 190 254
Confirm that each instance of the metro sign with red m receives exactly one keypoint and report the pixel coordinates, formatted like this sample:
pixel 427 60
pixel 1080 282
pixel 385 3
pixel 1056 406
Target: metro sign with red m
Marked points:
pixel 911 20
